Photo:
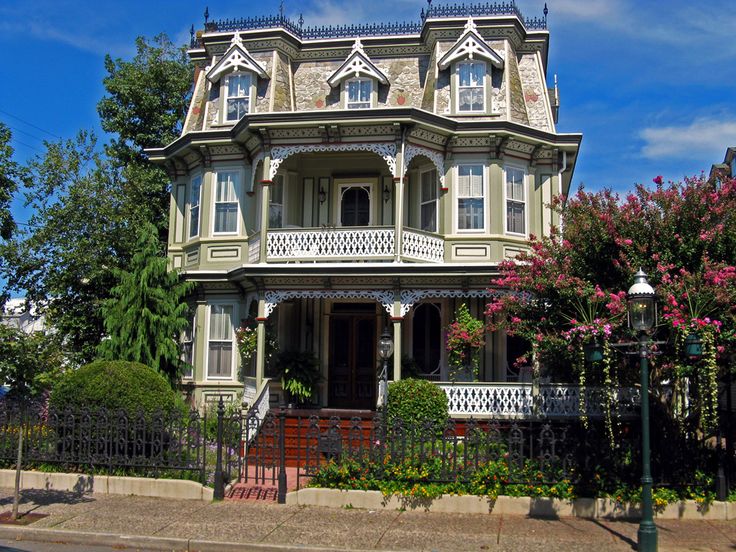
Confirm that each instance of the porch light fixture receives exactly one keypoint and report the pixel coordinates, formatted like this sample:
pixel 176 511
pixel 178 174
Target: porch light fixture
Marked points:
pixel 386 193
pixel 385 350
pixel 322 194
pixel 642 318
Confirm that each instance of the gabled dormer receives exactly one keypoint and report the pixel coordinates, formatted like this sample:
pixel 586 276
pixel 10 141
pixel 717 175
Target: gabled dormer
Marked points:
pixel 236 74
pixel 359 78
pixel 471 60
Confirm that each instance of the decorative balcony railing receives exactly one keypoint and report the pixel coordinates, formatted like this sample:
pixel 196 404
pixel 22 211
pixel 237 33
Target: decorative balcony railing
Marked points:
pixel 519 400
pixel 298 29
pixel 422 246
pixel 330 244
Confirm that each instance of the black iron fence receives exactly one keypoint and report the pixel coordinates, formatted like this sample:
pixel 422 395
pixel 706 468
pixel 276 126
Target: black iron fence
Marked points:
pixel 262 447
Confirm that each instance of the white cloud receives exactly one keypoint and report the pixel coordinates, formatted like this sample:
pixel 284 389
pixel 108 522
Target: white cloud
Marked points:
pixel 701 138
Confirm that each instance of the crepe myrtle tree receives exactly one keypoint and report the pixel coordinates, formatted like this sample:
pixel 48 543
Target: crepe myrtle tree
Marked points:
pixel 568 290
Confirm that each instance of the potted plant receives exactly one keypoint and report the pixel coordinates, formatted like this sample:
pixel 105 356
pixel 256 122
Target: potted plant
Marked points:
pixel 465 339
pixel 300 375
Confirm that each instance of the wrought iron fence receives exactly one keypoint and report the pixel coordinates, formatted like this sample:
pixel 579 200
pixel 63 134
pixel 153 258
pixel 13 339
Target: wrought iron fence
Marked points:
pixel 106 440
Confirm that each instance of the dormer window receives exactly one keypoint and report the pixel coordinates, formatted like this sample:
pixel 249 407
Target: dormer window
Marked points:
pixel 469 59
pixel 359 78
pixel 358 92
pixel 236 72
pixel 471 86
pixel 237 96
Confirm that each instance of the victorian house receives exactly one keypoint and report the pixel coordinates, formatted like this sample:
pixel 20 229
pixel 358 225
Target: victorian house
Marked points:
pixel 331 182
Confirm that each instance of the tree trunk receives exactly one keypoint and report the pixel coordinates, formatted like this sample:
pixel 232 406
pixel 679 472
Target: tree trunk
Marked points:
pixel 19 460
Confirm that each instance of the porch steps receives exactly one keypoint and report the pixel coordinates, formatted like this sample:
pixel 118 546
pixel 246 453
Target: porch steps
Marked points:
pixel 261 488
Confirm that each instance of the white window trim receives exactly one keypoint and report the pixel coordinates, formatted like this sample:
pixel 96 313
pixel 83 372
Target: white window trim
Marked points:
pixel 485 88
pixel 224 96
pixel 525 188
pixel 456 198
pixel 238 195
pixel 346 99
pixel 371 200
pixel 193 342
pixel 189 235
pixel 436 199
pixel 234 368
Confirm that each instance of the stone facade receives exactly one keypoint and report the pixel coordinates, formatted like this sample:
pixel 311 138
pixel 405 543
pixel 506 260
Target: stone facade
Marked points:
pixel 535 93
pixel 518 106
pixel 281 84
pixel 311 89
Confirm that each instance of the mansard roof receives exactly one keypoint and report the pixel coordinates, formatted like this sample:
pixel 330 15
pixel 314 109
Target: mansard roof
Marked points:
pixel 357 64
pixel 471 46
pixel 236 58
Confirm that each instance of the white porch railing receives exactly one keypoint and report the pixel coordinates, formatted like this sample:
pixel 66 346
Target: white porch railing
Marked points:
pixel 422 246
pixel 330 243
pixel 518 400
pixel 373 243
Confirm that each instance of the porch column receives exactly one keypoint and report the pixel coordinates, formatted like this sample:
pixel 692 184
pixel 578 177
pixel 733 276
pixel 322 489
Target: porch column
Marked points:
pixel 397 336
pixel 398 218
pixel 260 342
pixel 265 198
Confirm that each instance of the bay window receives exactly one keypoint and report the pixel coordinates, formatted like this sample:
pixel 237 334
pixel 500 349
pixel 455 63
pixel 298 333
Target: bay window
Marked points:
pixel 515 201
pixel 226 202
pixel 220 343
pixel 194 201
pixel 470 198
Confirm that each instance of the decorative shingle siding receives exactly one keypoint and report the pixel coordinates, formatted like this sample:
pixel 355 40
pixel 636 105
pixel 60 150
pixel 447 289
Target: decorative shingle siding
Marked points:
pixel 534 92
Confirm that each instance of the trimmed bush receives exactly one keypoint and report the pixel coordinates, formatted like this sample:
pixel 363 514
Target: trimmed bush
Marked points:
pixel 116 385
pixel 416 402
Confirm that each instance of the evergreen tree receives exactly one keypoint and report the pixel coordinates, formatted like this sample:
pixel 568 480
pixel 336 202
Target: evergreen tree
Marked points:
pixel 146 314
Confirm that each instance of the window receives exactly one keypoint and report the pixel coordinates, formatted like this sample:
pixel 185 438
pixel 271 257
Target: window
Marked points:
pixel 276 203
pixel 220 354
pixel 187 348
pixel 237 96
pixel 226 202
pixel 427 339
pixel 515 201
pixel 359 93
pixel 194 199
pixel 355 205
pixel 470 197
pixel 428 201
pixel 471 88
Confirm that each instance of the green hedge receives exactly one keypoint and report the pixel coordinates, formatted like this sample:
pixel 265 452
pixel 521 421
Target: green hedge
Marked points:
pixel 116 385
pixel 417 402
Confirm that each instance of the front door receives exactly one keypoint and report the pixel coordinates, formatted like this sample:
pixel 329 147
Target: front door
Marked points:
pixel 352 373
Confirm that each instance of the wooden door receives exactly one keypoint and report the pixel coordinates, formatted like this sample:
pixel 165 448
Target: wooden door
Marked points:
pixel 352 361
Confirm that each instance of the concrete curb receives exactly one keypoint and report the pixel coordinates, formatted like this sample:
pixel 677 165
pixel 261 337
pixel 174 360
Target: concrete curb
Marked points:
pixel 108 484
pixel 173 544
pixel 601 508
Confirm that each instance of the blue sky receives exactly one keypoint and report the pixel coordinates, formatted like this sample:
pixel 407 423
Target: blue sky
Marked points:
pixel 649 84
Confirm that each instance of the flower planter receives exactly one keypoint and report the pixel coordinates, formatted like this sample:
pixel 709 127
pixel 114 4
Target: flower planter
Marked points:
pixel 593 352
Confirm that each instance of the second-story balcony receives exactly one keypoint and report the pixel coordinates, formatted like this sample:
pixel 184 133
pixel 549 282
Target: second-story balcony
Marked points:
pixel 328 243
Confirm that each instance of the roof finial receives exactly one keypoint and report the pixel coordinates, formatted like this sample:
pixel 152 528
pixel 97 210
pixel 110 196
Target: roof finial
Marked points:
pixel 236 39
pixel 358 44
pixel 281 9
pixel 206 14
pixel 545 11
pixel 301 20
pixel 470 25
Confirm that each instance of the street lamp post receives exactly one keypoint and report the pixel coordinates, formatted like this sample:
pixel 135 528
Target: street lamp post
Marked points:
pixel 385 350
pixel 642 317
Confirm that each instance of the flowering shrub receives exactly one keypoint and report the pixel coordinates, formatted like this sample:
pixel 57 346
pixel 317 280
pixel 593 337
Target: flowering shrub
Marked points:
pixel 568 290
pixel 465 338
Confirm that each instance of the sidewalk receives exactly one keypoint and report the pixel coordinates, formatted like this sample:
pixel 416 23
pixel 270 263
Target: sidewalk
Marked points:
pixel 151 523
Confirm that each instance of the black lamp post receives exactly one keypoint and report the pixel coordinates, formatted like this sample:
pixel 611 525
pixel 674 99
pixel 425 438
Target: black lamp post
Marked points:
pixel 385 350
pixel 642 317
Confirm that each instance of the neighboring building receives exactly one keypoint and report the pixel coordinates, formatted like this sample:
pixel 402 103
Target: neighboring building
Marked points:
pixel 18 314
pixel 334 181
pixel 727 169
